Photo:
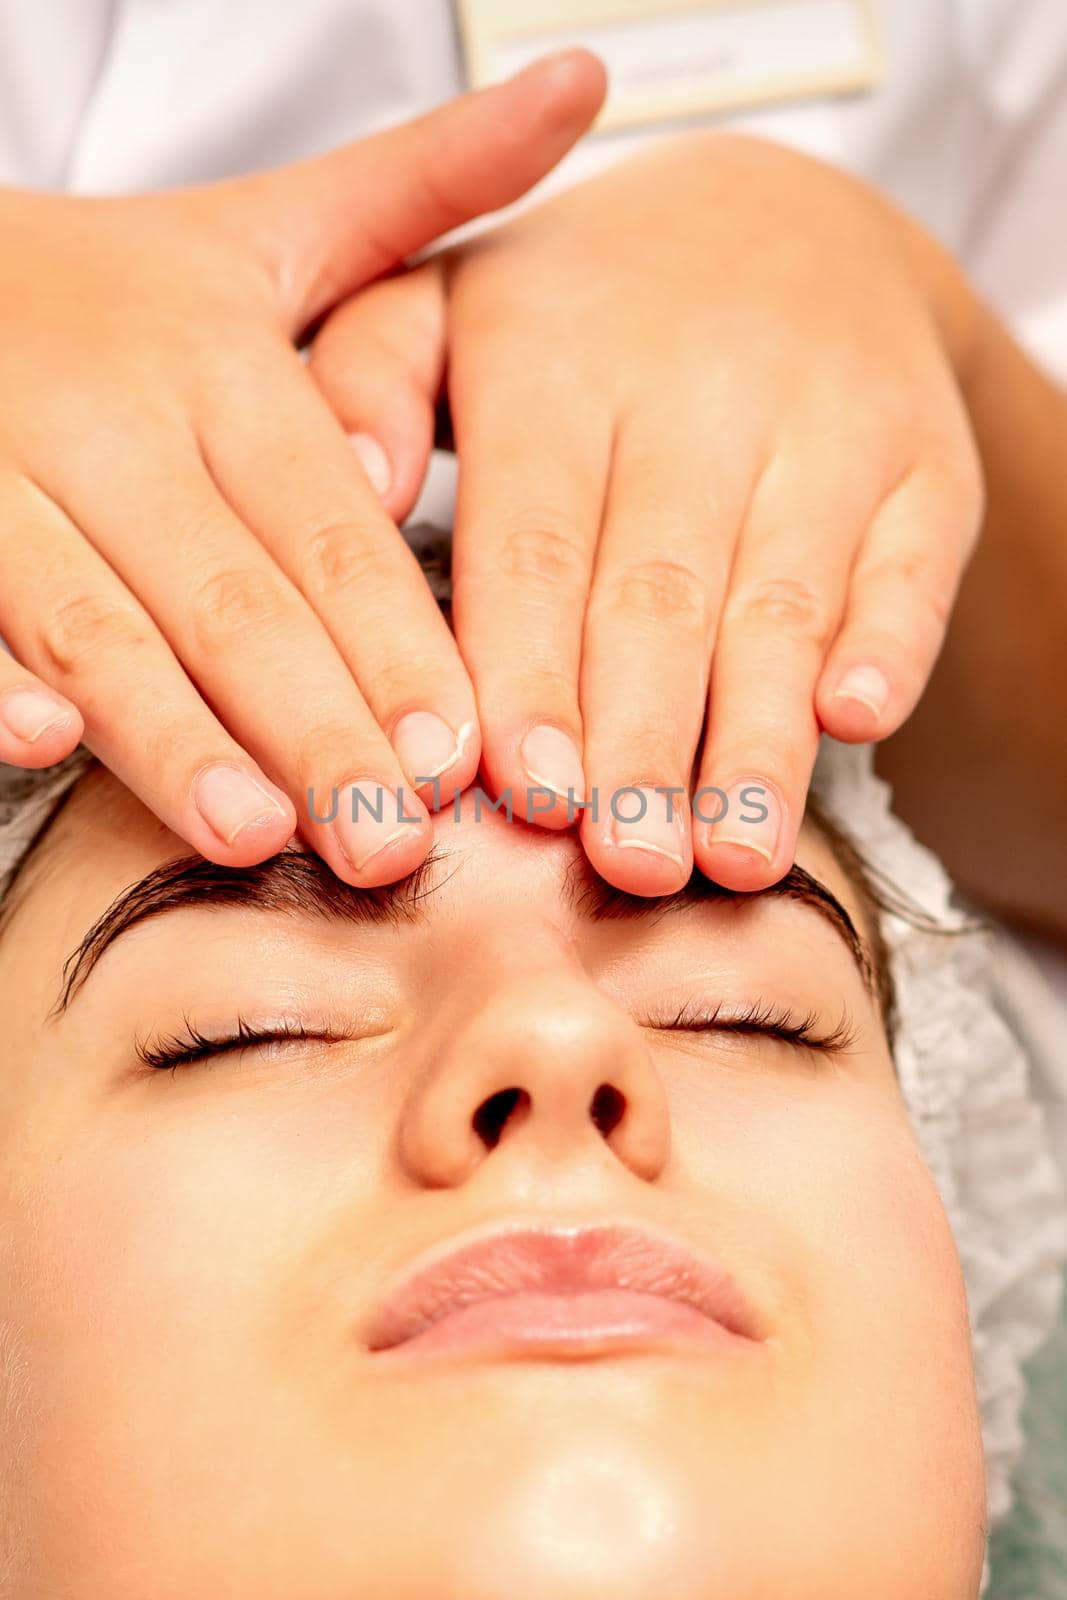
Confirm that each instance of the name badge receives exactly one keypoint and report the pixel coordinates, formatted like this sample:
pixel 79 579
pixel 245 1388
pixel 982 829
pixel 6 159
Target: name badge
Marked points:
pixel 670 59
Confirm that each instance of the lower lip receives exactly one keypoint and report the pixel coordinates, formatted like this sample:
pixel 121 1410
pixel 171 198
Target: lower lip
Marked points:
pixel 538 1323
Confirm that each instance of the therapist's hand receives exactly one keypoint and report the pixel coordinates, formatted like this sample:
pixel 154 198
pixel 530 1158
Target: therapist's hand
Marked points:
pixel 194 569
pixel 713 459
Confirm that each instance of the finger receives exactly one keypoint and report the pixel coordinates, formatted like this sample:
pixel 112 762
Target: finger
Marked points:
pixel 902 591
pixel 315 513
pixel 258 654
pixel 37 726
pixel 324 227
pixel 86 638
pixel 661 570
pixel 379 360
pixel 528 510
pixel 785 599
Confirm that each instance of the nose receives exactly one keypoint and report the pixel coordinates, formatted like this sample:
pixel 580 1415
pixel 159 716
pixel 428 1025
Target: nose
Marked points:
pixel 547 1059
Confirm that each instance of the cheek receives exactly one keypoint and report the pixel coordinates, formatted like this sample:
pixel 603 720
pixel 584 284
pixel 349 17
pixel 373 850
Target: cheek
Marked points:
pixel 191 1214
pixel 153 1273
pixel 875 1331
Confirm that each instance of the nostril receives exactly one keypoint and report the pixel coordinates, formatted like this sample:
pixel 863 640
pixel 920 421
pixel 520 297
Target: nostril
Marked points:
pixel 493 1115
pixel 606 1108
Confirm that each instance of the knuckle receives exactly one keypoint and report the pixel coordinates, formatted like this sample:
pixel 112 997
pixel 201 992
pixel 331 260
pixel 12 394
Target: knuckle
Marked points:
pixel 660 590
pixel 548 685
pixel 648 745
pixel 338 556
pixel 548 553
pixel 173 742
pixel 328 753
pixel 85 626
pixel 542 687
pixel 401 678
pixel 909 577
pixel 238 603
pixel 905 568
pixel 791 604
pixel 940 600
pixel 440 195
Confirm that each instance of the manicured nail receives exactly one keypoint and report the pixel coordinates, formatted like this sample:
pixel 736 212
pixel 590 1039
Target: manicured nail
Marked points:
pixel 552 761
pixel 28 713
pixel 868 685
pixel 425 745
pixel 373 460
pixel 649 820
pixel 230 800
pixel 371 817
pixel 751 817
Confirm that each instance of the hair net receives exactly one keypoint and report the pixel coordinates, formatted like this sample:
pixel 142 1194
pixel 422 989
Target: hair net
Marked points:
pixel 973 1019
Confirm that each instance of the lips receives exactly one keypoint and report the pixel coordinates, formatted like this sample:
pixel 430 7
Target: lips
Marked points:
pixel 568 1291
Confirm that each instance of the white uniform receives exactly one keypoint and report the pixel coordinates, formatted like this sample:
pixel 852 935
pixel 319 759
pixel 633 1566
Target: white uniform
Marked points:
pixel 966 128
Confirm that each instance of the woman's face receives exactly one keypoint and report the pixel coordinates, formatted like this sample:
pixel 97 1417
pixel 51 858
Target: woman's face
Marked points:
pixel 199 1267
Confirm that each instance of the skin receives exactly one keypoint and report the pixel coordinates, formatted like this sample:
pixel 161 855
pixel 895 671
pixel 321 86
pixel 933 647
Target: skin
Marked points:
pixel 729 426
pixel 663 492
pixel 211 524
pixel 666 510
pixel 186 1258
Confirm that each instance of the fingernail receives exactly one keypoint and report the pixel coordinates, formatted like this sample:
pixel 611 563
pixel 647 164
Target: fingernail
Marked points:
pixel 868 685
pixel 751 818
pixel 425 745
pixel 553 59
pixel 373 460
pixel 230 800
pixel 371 817
pixel 28 713
pixel 648 819
pixel 552 761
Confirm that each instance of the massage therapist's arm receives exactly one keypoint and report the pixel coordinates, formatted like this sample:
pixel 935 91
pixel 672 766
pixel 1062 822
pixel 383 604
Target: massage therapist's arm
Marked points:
pixel 980 768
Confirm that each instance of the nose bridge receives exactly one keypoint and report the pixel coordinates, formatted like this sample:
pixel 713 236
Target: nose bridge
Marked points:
pixel 541 1055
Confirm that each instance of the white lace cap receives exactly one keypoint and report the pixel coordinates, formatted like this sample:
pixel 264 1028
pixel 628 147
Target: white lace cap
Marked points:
pixel 28 801
pixel 973 1019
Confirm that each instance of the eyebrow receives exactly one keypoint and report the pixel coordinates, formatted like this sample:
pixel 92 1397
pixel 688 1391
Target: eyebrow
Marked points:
pixel 301 884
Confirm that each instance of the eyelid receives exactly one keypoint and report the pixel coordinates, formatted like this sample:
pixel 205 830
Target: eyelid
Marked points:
pixel 767 1018
pixel 191 1045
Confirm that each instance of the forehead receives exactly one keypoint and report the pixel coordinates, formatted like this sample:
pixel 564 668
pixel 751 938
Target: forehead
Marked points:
pixel 104 839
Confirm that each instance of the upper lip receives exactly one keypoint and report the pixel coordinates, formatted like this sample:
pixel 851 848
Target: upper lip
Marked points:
pixel 561 1259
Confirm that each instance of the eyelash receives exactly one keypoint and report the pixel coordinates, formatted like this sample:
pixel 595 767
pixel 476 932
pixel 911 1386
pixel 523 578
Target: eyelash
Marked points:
pixel 769 1020
pixel 759 1018
pixel 188 1049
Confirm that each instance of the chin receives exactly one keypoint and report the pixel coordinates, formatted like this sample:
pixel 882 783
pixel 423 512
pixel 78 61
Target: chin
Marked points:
pixel 626 1507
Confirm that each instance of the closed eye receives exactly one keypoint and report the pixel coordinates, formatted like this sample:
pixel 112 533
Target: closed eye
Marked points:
pixel 192 1046
pixel 763 1018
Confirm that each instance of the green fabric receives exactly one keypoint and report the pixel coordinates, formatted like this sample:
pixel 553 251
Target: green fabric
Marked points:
pixel 1028 1551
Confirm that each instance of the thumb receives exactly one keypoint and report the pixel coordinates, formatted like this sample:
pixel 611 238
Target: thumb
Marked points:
pixel 379 360
pixel 326 226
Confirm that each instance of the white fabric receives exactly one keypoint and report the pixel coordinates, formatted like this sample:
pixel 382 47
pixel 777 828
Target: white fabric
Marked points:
pixel 967 129
pixel 979 1033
